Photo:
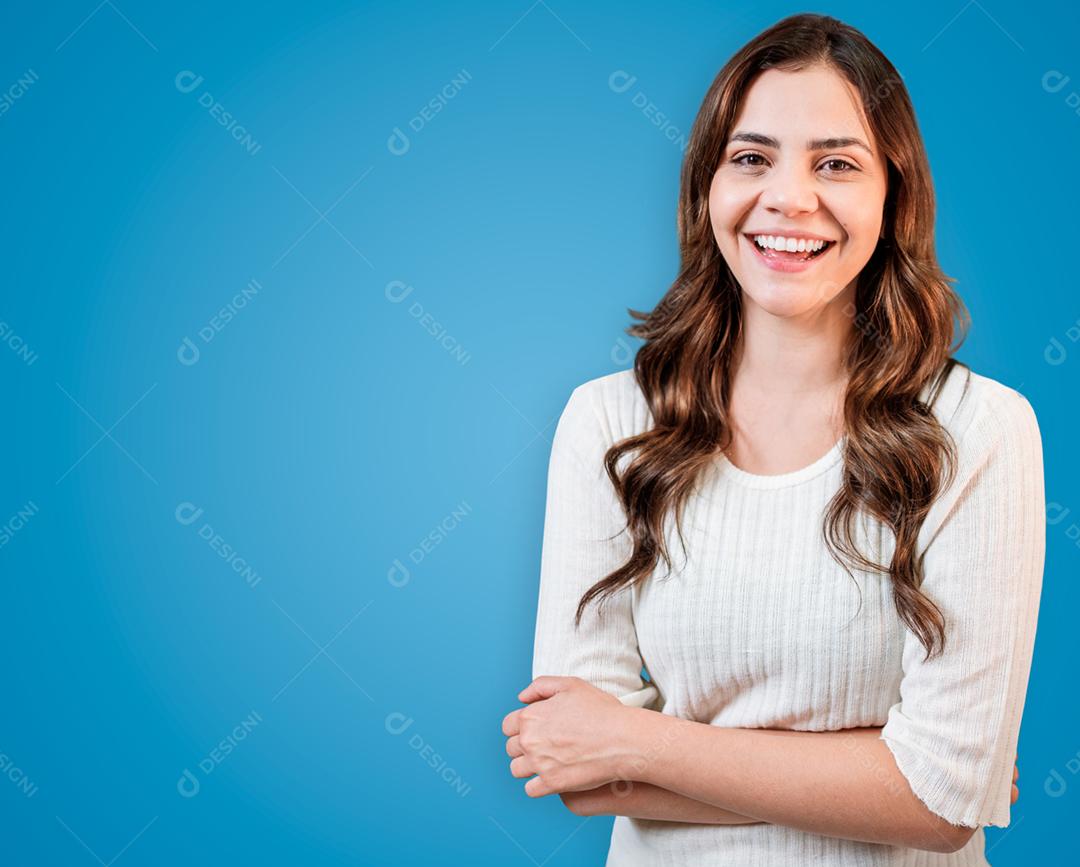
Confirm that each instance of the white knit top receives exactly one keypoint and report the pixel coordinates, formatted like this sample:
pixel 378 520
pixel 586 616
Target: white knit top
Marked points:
pixel 757 625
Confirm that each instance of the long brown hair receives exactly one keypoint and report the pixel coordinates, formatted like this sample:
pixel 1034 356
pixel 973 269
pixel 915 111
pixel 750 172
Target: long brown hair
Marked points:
pixel 896 455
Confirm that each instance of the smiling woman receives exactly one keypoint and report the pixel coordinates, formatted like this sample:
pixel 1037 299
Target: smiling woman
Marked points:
pixel 832 188
pixel 838 661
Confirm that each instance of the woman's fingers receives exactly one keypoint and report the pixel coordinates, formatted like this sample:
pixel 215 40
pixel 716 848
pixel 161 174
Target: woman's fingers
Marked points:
pixel 521 767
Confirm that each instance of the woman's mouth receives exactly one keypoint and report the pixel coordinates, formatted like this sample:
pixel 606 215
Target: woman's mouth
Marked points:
pixel 782 260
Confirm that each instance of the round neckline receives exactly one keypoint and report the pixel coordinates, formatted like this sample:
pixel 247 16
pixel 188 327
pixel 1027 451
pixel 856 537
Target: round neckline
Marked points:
pixel 783 480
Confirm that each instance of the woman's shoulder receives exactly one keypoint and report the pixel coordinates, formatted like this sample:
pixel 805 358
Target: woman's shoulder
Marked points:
pixel 603 410
pixel 976 407
pixel 998 446
pixel 613 390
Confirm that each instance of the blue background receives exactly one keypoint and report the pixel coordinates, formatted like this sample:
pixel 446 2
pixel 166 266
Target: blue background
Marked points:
pixel 327 430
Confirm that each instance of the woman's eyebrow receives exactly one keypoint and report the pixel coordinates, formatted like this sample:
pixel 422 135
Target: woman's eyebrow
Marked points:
pixel 821 144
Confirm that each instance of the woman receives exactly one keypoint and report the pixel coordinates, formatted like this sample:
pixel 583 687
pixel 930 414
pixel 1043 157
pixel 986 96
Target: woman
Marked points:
pixel 837 659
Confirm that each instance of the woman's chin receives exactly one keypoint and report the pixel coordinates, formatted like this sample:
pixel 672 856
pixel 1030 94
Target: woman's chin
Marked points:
pixel 786 299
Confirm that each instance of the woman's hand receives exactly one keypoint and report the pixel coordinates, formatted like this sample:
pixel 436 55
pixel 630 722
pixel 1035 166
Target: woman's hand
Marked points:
pixel 570 734
pixel 1016 776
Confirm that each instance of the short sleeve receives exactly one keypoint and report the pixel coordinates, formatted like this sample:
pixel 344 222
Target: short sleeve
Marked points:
pixel 585 540
pixel 954 731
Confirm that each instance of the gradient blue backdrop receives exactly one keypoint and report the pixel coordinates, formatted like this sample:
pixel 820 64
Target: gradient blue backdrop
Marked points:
pixel 269 603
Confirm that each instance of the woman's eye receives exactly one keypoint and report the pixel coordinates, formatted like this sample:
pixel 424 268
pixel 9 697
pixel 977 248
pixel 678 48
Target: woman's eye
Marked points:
pixel 739 160
pixel 844 165
pixel 837 160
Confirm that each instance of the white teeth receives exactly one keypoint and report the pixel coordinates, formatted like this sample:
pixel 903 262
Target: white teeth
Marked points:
pixel 791 245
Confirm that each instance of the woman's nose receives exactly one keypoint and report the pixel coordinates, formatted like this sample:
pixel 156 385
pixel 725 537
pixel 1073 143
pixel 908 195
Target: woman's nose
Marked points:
pixel 789 190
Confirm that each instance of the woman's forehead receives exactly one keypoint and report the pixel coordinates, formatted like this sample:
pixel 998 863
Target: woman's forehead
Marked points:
pixel 811 109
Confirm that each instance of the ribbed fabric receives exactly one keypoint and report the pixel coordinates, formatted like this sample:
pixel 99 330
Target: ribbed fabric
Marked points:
pixel 757 625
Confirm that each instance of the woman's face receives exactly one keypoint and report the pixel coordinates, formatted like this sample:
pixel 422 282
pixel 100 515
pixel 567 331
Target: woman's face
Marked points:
pixel 800 164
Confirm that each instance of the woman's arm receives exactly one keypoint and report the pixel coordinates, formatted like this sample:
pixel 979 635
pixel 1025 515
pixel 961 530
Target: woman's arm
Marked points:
pixel 645 801
pixel 837 784
pixel 584 540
